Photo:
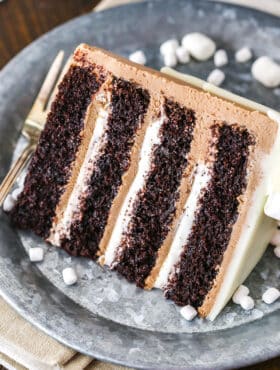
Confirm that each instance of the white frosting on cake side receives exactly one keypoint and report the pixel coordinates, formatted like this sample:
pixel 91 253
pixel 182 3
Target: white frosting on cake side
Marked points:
pixel 151 141
pixel 201 179
pixel 73 209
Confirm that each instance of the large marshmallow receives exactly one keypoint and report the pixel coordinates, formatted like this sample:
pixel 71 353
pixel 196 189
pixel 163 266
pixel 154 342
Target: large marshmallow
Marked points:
pixel 266 71
pixel 272 206
pixel 200 46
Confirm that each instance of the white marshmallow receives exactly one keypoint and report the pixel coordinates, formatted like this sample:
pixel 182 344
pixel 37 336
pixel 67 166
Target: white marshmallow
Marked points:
pixel 69 276
pixel 169 46
pixel 138 57
pixel 183 55
pixel 277 251
pixel 216 77
pixel 247 302
pixel 16 193
pixel 275 240
pixel 36 254
pixel 8 203
pixel 242 291
pixel 188 312
pixel 266 71
pixel 220 58
pixel 243 55
pixel 170 60
pixel 271 295
pixel 200 46
pixel 272 206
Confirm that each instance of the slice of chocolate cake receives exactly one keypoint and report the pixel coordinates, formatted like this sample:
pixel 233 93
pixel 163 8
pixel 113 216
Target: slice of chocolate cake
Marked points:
pixel 154 176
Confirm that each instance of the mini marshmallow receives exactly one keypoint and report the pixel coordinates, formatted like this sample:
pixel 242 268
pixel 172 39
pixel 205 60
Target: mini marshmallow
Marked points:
pixel 200 46
pixel 16 193
pixel 220 58
pixel 277 251
pixel 69 276
pixel 216 77
pixel 247 302
pixel 169 46
pixel 170 60
pixel 266 71
pixel 183 55
pixel 242 291
pixel 36 254
pixel 272 206
pixel 9 203
pixel 243 55
pixel 275 240
pixel 138 57
pixel 271 295
pixel 188 312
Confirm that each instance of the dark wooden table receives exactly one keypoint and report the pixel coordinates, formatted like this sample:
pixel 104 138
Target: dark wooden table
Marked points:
pixel 22 21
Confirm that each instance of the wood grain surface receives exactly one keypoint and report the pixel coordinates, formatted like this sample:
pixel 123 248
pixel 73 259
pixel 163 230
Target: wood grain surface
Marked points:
pixel 22 21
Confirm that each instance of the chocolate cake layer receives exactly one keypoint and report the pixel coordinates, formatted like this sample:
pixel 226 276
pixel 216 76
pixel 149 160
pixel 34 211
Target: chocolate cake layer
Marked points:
pixel 50 167
pixel 129 104
pixel 155 205
pixel 199 264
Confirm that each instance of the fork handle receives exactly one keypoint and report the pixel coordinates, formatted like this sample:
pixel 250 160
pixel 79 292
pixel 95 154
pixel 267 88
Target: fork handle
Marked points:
pixel 15 171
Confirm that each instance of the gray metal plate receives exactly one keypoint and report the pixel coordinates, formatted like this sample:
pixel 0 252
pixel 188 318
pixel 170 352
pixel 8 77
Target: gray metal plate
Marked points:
pixel 103 315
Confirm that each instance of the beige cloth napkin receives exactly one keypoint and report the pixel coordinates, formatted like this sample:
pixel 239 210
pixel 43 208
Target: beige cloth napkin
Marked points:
pixel 22 346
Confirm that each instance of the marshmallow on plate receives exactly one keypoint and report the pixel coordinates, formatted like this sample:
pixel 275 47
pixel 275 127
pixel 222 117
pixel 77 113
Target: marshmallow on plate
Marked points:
pixel 275 240
pixel 272 206
pixel 69 276
pixel 242 291
pixel 8 203
pixel 170 60
pixel 138 57
pixel 169 46
pixel 266 71
pixel 36 254
pixel 200 46
pixel 216 77
pixel 243 55
pixel 188 312
pixel 183 55
pixel 270 295
pixel 247 302
pixel 220 58
pixel 277 251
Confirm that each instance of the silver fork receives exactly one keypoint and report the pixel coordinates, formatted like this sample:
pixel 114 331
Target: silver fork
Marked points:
pixel 34 123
